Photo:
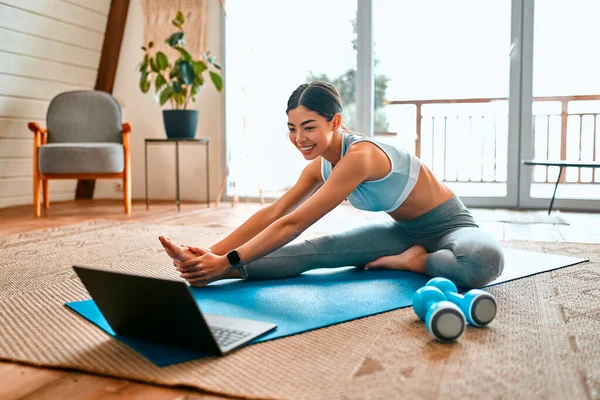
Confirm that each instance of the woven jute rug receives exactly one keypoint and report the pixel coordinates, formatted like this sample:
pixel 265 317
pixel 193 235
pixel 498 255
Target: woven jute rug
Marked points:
pixel 544 342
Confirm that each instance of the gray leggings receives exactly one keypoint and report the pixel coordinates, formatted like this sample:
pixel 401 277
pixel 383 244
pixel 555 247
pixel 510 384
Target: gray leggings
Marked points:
pixel 459 249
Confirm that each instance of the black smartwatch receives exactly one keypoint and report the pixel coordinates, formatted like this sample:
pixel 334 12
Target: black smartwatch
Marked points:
pixel 236 262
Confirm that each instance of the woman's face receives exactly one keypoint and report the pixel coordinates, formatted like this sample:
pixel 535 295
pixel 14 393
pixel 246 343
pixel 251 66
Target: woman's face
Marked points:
pixel 310 132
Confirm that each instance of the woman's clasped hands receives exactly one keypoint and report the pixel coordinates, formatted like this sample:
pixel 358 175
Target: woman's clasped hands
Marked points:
pixel 207 267
pixel 199 266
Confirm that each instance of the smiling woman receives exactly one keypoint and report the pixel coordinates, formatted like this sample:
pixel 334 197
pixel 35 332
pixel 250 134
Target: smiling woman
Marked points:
pixel 430 230
pixel 310 133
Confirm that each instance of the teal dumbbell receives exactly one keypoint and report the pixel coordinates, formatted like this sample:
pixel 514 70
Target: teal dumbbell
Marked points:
pixel 478 306
pixel 444 320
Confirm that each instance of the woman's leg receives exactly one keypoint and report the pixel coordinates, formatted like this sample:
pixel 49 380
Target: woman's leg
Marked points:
pixel 355 247
pixel 469 257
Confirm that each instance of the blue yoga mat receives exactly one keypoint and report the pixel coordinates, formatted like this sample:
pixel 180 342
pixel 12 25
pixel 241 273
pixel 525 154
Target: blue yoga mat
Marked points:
pixel 315 299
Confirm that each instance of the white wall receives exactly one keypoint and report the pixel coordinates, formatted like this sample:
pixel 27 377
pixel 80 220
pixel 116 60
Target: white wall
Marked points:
pixel 46 47
pixel 145 117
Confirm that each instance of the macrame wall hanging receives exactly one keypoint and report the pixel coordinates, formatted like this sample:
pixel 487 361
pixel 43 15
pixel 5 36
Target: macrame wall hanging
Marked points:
pixel 158 15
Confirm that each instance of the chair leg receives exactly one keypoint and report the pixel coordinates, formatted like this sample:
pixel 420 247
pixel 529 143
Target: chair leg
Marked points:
pixel 37 209
pixel 127 195
pixel 126 172
pixel 45 191
pixel 127 190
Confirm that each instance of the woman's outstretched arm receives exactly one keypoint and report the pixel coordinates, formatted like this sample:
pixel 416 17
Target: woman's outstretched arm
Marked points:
pixel 309 180
pixel 349 172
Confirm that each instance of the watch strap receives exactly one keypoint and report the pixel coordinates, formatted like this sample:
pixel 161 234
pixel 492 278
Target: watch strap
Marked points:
pixel 237 264
pixel 242 269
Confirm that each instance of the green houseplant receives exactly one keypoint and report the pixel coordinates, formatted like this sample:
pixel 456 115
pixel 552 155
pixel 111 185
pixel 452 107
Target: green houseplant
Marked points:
pixel 178 82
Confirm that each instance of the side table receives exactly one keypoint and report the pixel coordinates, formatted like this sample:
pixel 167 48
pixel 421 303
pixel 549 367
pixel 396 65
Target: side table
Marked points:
pixel 562 164
pixel 200 141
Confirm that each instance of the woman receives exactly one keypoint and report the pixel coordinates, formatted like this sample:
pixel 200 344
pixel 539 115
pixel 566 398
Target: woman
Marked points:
pixel 430 231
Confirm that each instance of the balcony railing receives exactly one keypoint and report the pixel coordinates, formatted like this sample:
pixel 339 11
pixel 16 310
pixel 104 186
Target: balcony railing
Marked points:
pixel 465 140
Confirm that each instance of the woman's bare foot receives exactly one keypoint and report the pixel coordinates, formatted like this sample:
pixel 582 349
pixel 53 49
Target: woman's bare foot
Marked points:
pixel 412 259
pixel 175 251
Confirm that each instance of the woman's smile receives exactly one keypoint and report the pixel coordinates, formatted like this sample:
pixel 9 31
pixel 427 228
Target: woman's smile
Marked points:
pixel 306 149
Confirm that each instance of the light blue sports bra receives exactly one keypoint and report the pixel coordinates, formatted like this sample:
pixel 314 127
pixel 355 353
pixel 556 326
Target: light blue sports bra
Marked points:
pixel 385 194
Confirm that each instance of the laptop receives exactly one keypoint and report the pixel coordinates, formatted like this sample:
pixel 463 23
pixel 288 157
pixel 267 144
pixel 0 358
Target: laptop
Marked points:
pixel 164 311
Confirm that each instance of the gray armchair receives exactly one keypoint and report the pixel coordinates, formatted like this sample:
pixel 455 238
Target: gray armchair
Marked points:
pixel 85 139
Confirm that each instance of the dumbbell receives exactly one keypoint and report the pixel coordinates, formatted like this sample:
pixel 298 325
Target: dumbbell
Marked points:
pixel 444 320
pixel 478 306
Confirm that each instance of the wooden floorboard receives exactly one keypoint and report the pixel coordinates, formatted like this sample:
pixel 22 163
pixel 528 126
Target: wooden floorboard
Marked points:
pixel 78 385
pixel 29 382
pixel 19 380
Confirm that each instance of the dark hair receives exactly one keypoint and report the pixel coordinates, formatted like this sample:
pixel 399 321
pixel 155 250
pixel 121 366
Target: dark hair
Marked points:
pixel 320 97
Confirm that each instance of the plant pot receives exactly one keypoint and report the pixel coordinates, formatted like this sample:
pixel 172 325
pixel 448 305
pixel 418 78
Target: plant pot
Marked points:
pixel 180 124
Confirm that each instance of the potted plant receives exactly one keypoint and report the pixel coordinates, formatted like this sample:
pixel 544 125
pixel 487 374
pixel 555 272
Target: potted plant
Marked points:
pixel 178 82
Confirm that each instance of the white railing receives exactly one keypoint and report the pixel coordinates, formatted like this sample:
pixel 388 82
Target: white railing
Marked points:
pixel 466 139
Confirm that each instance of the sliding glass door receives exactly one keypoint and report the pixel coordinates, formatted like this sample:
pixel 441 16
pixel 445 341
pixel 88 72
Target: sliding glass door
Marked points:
pixel 565 105
pixel 472 87
pixel 445 89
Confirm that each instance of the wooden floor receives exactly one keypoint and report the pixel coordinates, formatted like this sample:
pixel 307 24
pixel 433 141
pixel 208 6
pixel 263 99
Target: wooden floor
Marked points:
pixel 19 381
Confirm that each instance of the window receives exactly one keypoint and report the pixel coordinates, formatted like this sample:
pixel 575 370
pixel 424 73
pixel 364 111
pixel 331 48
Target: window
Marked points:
pixel 267 58
pixel 444 67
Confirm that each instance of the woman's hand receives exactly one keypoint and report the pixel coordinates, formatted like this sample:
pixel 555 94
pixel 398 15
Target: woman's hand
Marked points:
pixel 204 269
pixel 197 250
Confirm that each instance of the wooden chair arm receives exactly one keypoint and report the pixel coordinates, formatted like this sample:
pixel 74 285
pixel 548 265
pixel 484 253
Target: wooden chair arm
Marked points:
pixel 38 132
pixel 35 128
pixel 125 128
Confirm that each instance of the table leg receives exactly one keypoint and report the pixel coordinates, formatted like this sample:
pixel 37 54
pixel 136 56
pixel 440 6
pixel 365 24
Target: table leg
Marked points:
pixel 555 187
pixel 207 179
pixel 177 173
pixel 146 170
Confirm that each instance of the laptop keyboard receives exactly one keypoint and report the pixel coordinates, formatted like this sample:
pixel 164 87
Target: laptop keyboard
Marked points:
pixel 225 337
